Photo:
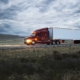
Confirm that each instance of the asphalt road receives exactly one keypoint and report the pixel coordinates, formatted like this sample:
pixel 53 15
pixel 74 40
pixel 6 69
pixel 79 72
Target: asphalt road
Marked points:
pixel 33 46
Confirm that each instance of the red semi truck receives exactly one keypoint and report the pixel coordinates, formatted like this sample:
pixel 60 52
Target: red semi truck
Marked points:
pixel 52 36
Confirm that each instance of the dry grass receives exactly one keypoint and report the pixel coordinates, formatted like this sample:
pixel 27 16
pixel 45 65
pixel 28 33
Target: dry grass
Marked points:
pixel 55 63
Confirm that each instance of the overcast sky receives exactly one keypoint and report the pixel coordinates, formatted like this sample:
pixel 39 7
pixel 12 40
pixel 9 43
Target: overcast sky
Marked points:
pixel 21 17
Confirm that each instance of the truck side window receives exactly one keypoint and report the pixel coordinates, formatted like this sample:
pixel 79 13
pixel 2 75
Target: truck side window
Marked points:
pixel 38 34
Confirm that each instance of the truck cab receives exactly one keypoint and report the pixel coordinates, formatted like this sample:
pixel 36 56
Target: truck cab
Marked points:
pixel 38 36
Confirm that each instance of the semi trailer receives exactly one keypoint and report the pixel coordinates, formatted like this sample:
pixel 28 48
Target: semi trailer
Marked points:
pixel 52 36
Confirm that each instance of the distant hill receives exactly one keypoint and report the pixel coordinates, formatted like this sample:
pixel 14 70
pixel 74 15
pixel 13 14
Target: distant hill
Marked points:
pixel 7 36
pixel 11 39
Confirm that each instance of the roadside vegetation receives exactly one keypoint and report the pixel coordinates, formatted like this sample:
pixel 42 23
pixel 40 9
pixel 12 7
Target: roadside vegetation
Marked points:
pixel 54 63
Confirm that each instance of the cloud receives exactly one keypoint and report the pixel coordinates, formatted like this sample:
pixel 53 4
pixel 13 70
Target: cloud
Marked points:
pixel 5 28
pixel 44 5
pixel 8 13
pixel 24 16
pixel 4 1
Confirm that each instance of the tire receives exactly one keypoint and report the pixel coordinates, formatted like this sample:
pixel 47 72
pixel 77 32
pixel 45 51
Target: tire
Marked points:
pixel 57 42
pixel 53 43
pixel 33 43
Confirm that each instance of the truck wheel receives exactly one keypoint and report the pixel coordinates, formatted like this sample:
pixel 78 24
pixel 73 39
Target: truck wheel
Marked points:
pixel 57 42
pixel 33 42
pixel 53 43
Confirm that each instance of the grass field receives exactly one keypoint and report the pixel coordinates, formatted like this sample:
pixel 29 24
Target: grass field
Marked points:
pixel 54 63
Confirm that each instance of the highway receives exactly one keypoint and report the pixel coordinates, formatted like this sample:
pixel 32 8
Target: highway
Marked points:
pixel 23 46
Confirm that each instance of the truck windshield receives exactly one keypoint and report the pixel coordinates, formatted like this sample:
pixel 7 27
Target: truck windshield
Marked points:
pixel 32 34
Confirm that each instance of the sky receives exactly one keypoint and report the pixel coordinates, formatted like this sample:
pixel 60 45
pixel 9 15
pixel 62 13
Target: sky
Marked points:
pixel 21 17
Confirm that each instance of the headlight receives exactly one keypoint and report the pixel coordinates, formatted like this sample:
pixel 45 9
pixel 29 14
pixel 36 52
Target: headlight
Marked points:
pixel 28 40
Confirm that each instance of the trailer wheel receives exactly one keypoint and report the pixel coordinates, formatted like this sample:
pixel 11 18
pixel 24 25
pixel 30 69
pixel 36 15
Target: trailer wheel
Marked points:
pixel 53 43
pixel 57 42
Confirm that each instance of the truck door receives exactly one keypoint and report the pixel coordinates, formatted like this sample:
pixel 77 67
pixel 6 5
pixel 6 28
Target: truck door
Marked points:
pixel 39 36
pixel 44 36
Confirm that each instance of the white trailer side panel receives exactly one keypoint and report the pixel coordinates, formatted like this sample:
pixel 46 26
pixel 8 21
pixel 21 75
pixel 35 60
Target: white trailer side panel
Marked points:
pixel 66 34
